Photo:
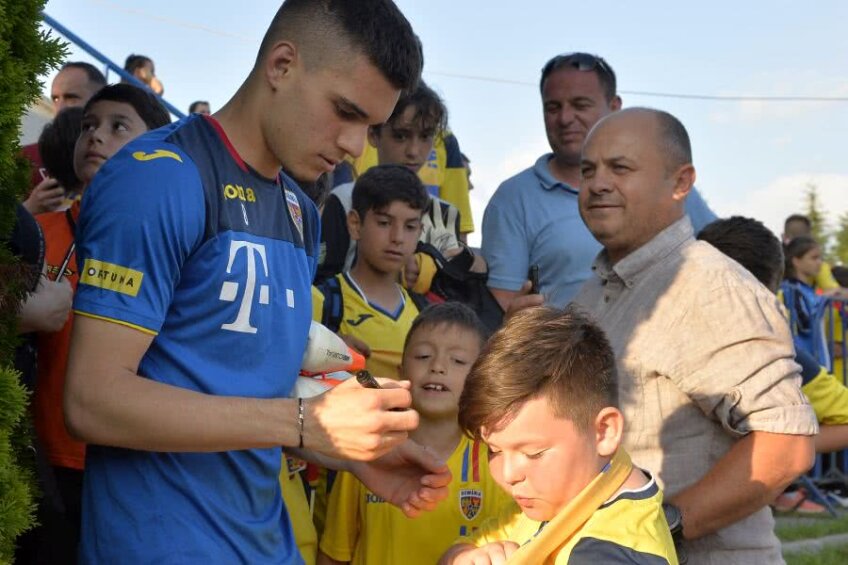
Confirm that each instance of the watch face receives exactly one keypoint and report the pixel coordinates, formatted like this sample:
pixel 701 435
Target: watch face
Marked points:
pixel 673 517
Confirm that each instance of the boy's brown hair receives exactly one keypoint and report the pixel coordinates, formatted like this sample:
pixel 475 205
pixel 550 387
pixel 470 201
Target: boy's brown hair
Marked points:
pixel 561 355
pixel 449 314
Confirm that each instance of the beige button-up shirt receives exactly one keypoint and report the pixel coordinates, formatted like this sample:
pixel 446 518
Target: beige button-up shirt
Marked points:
pixel 704 357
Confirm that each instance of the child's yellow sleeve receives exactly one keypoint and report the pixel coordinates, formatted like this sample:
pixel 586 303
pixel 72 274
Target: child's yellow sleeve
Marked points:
pixel 454 187
pixel 828 397
pixel 342 527
pixel 825 279
pixel 297 507
pixel 317 304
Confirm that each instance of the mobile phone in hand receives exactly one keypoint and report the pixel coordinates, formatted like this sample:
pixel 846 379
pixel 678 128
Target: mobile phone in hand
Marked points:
pixel 533 276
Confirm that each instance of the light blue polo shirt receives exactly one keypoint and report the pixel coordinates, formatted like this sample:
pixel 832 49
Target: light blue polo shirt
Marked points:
pixel 534 219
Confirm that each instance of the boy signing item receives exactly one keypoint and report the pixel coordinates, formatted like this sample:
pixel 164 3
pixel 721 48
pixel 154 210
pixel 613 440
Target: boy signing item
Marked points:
pixel 367 302
pixel 361 528
pixel 543 396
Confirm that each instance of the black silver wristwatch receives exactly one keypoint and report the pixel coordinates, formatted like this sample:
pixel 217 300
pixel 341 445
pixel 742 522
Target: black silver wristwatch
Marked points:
pixel 674 517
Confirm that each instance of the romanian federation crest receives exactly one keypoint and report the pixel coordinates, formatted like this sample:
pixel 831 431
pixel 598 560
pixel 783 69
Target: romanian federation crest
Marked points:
pixel 470 502
pixel 294 211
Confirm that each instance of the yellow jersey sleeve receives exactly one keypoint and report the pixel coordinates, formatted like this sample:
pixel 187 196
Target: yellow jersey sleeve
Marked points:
pixel 294 497
pixel 342 526
pixel 426 272
pixel 454 187
pixel 825 279
pixel 317 304
pixel 828 397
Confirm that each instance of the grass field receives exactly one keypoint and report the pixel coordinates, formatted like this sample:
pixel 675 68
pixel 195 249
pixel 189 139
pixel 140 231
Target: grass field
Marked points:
pixel 811 528
pixel 828 556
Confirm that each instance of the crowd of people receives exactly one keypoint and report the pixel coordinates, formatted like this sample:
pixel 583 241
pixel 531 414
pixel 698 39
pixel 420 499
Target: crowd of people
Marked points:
pixel 611 378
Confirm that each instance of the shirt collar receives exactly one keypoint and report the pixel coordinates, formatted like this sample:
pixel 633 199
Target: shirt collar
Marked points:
pixel 546 179
pixel 650 254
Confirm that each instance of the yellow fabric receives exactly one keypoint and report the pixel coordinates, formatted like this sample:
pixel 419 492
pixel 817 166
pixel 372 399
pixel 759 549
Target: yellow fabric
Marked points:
pixel 364 529
pixel 426 272
pixel 444 171
pixel 825 279
pixel 630 522
pixel 297 506
pixel 828 397
pixel 317 304
pixel 384 334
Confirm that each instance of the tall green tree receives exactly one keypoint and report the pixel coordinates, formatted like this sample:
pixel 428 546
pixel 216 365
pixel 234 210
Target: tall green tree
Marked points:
pixel 840 247
pixel 26 53
pixel 818 219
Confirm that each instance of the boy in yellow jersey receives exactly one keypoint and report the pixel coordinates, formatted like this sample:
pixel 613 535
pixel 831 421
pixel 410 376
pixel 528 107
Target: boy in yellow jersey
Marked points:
pixel 367 302
pixel 544 396
pixel 362 528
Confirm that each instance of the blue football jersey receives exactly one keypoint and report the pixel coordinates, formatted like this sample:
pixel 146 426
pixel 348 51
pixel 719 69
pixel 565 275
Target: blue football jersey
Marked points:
pixel 179 238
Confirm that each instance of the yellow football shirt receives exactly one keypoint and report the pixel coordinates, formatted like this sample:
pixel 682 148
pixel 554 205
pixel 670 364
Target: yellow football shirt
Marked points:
pixel 631 524
pixel 294 497
pixel 365 529
pixel 444 174
pixel 384 332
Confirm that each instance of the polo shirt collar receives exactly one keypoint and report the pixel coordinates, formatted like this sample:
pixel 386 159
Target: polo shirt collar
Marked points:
pixel 655 251
pixel 546 179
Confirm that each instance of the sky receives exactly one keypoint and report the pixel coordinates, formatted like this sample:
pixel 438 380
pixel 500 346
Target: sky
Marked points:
pixel 753 157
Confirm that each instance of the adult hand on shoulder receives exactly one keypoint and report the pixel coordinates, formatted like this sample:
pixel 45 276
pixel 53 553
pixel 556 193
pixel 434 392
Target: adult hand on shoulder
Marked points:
pixel 524 300
pixel 353 422
pixel 411 271
pixel 495 553
pixel 409 476
pixel 45 197
pixel 46 309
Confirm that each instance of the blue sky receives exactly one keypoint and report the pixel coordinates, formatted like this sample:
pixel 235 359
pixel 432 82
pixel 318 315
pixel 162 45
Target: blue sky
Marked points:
pixel 753 157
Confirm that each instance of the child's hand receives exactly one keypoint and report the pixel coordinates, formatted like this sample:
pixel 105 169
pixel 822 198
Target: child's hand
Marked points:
pixel 411 271
pixel 495 553
pixel 45 197
pixel 409 476
pixel 357 344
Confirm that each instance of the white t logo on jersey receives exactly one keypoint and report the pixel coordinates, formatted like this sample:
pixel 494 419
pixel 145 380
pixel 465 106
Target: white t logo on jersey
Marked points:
pixel 230 289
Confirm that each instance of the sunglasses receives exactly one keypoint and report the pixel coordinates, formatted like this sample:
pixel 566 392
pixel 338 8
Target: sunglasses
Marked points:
pixel 580 61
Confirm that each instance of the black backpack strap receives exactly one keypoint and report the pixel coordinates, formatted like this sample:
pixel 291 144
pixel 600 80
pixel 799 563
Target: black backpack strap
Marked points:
pixel 419 300
pixel 333 311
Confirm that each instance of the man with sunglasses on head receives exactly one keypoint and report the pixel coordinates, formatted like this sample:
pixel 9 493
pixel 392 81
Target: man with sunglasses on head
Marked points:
pixel 533 217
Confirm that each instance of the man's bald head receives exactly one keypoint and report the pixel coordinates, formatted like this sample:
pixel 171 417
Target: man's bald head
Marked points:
pixel 329 32
pixel 670 136
pixel 636 173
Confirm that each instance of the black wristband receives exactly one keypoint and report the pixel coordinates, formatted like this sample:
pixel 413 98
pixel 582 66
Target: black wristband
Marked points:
pixel 300 422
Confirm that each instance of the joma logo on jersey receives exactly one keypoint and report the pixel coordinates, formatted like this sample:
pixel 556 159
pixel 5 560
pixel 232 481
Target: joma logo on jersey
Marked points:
pixel 109 276
pixel 236 191
pixel 158 154
pixel 358 321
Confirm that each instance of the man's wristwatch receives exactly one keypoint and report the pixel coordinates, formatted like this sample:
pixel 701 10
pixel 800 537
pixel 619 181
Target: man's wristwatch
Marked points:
pixel 674 517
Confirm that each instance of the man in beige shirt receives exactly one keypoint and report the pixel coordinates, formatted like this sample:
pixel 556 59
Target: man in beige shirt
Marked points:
pixel 708 385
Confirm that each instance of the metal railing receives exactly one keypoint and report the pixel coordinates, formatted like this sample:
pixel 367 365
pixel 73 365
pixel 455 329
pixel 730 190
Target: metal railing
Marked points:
pixel 110 65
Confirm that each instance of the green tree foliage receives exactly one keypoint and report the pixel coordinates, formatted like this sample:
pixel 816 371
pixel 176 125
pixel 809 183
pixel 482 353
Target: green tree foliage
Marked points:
pixel 840 247
pixel 813 210
pixel 26 53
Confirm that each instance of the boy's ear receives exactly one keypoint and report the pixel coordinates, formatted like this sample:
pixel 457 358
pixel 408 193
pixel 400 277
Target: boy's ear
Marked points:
pixel 609 427
pixel 354 224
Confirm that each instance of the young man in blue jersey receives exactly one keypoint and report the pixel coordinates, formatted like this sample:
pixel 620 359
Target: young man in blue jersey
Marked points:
pixel 193 307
